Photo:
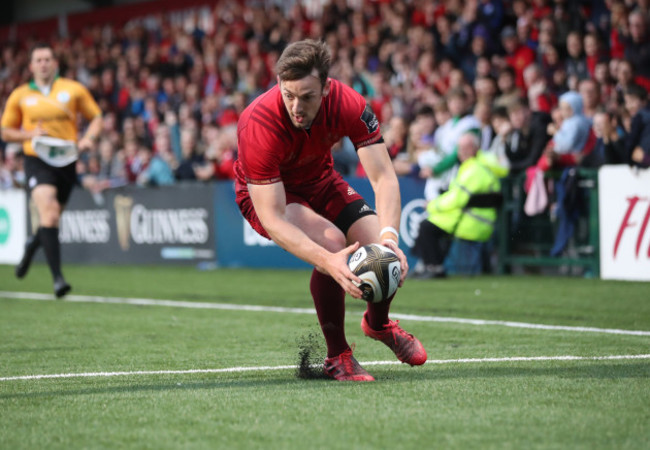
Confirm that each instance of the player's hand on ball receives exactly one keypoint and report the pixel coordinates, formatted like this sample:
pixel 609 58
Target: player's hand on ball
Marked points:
pixel 402 258
pixel 337 268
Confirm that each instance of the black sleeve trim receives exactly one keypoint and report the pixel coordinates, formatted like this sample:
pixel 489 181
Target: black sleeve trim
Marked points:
pixel 378 140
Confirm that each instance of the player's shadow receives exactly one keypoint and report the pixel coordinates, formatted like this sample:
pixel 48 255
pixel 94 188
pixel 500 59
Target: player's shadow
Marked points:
pixel 383 375
pixel 172 385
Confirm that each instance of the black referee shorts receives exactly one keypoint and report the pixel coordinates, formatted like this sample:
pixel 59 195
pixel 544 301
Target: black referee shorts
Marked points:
pixel 63 178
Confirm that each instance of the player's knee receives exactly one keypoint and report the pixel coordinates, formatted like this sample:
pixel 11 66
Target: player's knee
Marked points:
pixel 50 215
pixel 334 240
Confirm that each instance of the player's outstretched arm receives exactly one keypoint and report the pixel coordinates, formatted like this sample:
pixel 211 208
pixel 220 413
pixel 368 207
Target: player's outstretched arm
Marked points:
pixel 270 206
pixel 380 171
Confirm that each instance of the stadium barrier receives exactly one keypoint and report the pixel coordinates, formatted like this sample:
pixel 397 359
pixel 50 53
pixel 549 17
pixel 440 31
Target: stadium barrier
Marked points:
pixel 132 225
pixel 200 224
pixel 610 239
pixel 528 241
pixel 239 245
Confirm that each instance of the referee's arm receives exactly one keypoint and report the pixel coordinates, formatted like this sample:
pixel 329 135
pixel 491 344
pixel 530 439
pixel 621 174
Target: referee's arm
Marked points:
pixel 20 135
pixel 87 142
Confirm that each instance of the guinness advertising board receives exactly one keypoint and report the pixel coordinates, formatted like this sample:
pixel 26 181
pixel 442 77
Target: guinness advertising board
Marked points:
pixel 139 226
pixel 240 246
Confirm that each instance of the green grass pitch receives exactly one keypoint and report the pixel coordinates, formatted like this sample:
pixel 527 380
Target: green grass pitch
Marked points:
pixel 586 403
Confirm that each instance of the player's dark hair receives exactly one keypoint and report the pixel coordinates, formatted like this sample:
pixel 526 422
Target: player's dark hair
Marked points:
pixel 300 59
pixel 40 46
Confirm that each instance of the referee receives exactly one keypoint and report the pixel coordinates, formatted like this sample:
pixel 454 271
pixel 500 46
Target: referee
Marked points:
pixel 42 115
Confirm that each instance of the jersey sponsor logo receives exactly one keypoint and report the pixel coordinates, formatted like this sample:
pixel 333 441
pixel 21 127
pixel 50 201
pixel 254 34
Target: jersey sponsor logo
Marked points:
pixel 370 120
pixel 63 97
pixel 351 190
pixel 31 101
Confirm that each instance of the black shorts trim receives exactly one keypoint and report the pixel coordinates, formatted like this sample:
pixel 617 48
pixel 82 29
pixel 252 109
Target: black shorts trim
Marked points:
pixel 351 213
pixel 64 178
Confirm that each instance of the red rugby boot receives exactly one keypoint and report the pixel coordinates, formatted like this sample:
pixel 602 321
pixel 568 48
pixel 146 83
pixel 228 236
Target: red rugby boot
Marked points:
pixel 345 368
pixel 406 347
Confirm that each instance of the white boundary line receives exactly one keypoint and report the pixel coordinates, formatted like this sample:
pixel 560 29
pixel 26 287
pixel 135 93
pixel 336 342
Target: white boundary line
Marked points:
pixel 280 309
pixel 287 367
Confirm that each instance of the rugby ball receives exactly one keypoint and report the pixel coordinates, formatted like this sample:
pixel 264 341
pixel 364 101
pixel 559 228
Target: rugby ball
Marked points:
pixel 379 270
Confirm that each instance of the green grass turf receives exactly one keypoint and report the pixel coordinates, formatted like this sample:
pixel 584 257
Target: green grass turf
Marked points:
pixel 524 404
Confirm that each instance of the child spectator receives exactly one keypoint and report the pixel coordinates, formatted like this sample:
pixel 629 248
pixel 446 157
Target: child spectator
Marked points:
pixel 502 129
pixel 525 144
pixel 610 144
pixel 637 144
pixel 571 137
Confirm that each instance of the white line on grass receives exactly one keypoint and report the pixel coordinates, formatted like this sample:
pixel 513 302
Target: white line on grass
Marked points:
pixel 280 309
pixel 287 367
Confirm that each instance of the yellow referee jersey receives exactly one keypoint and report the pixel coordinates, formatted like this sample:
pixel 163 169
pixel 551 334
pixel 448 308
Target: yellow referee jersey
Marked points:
pixel 56 112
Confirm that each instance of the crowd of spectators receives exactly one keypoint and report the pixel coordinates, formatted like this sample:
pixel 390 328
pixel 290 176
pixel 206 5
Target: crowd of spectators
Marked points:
pixel 171 91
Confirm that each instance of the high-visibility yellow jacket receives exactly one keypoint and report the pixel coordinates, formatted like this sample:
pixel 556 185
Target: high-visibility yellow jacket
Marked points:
pixel 449 211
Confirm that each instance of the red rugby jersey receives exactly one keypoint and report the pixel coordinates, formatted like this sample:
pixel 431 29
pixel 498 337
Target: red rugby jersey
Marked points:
pixel 271 149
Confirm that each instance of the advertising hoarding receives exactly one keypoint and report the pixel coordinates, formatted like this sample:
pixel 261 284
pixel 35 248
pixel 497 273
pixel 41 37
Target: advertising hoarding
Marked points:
pixel 132 225
pixel 624 205
pixel 13 229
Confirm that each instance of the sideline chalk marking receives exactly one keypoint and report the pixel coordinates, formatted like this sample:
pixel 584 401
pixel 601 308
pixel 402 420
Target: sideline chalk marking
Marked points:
pixel 368 363
pixel 280 309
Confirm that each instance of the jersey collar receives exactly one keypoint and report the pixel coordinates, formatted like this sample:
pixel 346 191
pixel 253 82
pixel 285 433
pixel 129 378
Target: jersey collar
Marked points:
pixel 33 86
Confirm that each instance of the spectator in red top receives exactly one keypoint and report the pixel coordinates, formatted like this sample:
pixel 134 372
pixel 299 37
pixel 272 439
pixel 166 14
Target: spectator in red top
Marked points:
pixel 593 52
pixel 541 9
pixel 537 89
pixel 618 30
pixel 518 56
pixel 220 154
